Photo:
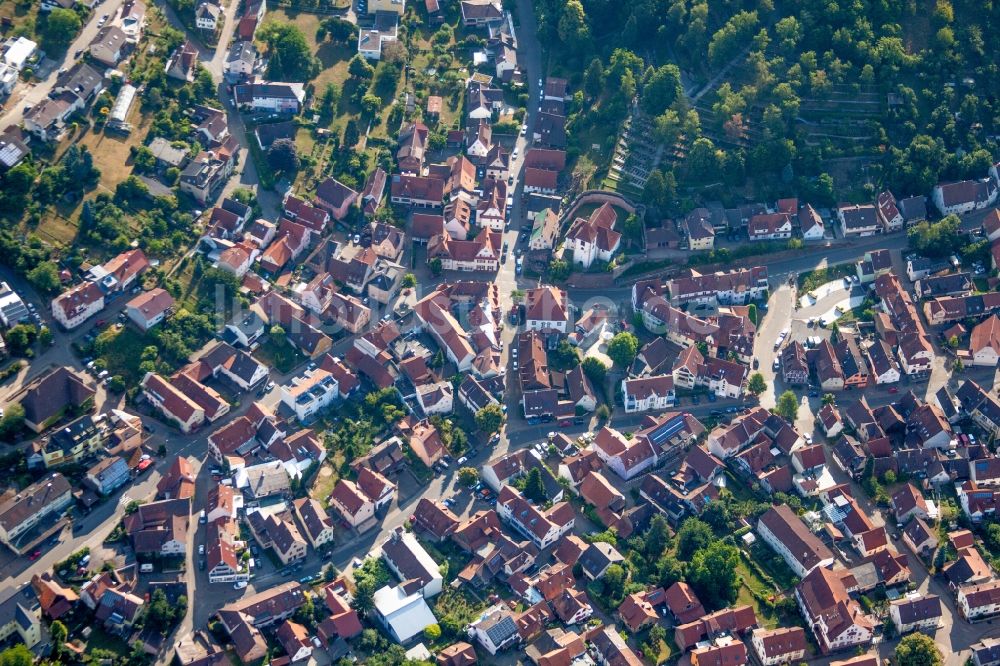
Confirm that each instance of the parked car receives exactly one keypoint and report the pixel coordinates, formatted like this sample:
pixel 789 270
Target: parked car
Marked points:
pixel 240 585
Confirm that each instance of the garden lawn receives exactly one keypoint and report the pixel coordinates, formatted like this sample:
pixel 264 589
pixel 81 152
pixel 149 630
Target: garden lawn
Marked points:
pixel 281 357
pixel 101 640
pixel 810 280
pixel 773 565
pixel 745 597
pixel 326 478
pixel 124 354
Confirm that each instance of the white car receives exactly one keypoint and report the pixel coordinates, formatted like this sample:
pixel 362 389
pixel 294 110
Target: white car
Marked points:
pixel 524 129
pixel 808 438
pixel 240 585
pixel 463 460
pixel 201 549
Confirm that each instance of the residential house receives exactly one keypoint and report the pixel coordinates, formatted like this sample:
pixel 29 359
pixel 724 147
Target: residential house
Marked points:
pixel 626 457
pixel 811 225
pixel 648 393
pixel 984 342
pixel 411 563
pixel 788 536
pixel 836 620
pixel 241 60
pixel 594 238
pixel 784 645
pixel 108 475
pixel 916 613
pixel 965 196
pixel 541 528
pixel 150 308
pixel 109 46
pixel 159 528
pixel 20 512
pixel 404 615
pixel 47 397
pixel 976 601
pixel 858 220
pixel 770 226
pixel 544 230
pixel 888 212
pixel 183 63
pixel 546 309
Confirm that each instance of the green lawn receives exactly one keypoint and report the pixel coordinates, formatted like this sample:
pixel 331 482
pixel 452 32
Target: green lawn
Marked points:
pixel 810 280
pixel 101 640
pixel 773 565
pixel 283 357
pixel 123 352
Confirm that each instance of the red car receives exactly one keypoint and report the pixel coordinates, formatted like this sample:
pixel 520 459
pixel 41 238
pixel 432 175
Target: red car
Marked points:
pixel 565 423
pixel 893 389
pixel 35 555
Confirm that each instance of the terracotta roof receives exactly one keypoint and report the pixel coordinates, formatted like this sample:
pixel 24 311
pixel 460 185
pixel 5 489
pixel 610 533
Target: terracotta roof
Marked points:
pixel 683 603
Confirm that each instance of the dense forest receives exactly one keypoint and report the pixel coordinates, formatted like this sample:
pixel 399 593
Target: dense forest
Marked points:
pixel 758 98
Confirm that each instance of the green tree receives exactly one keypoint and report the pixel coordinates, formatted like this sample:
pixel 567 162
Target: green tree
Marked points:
pixel 534 487
pixel 364 594
pixel 432 632
pixel 918 650
pixel 370 104
pixel 468 476
pixel 328 103
pixel 60 28
pixel 595 370
pixel 622 349
pixel 614 584
pixel 593 78
pixel 291 58
pixel 936 239
pixel 45 277
pixel 45 336
pixel 12 421
pixel 632 228
pixel 283 156
pixel 661 88
pixel 991 537
pixel 559 269
pixel 757 385
pixel 669 570
pixel 788 406
pixel 17 655
pixel 694 535
pixel 702 161
pixel 489 419
pixel 277 334
pixel 435 266
pixel 409 281
pixel 828 399
pixel 713 574
pixel 573 29
pixel 732 37
pixel 657 537
pixel 359 68
pixel 59 635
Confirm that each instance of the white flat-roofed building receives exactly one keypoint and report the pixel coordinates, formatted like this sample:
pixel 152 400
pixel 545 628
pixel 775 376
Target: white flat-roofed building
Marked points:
pixel 310 393
pixel 404 616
